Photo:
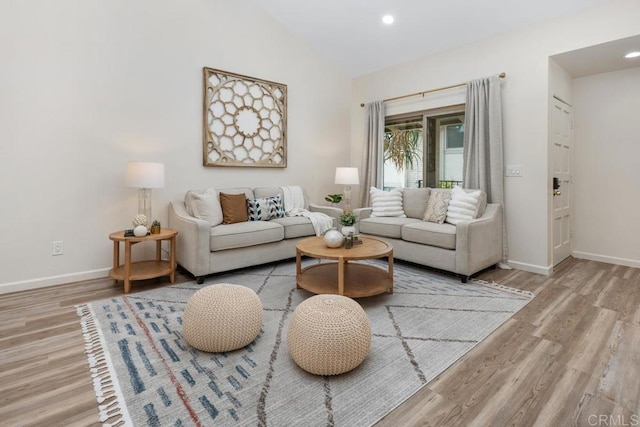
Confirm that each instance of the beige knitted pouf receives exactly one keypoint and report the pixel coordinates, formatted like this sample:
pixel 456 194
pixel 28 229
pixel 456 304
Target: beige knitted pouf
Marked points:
pixel 329 335
pixel 222 317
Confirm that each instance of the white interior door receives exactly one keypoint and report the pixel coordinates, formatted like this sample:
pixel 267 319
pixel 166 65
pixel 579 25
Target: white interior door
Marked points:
pixel 562 135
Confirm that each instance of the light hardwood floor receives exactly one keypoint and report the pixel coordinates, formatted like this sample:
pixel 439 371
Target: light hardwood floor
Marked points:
pixel 570 357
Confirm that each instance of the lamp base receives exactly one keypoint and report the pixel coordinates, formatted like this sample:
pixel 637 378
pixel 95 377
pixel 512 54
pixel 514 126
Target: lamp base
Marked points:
pixel 347 198
pixel 144 203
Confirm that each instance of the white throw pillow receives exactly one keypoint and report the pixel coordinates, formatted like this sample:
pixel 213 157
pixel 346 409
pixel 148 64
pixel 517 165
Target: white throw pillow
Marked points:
pixel 204 205
pixel 463 205
pixel 387 203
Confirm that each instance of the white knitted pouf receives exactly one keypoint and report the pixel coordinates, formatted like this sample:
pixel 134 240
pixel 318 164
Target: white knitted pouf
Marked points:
pixel 222 317
pixel 329 335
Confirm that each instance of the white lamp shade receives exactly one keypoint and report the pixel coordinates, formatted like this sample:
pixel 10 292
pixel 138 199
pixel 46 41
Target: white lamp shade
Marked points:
pixel 145 175
pixel 347 176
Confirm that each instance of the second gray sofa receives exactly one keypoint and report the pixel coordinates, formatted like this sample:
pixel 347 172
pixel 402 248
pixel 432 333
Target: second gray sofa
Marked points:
pixel 464 248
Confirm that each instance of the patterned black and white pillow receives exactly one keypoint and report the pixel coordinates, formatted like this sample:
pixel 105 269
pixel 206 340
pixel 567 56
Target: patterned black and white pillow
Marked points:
pixel 278 206
pixel 265 209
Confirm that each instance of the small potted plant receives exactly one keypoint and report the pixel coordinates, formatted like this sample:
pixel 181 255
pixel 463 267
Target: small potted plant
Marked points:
pixel 334 199
pixel 347 220
pixel 155 227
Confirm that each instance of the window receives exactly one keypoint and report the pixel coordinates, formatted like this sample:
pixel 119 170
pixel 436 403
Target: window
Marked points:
pixel 424 149
pixel 403 153
pixel 451 156
pixel 454 134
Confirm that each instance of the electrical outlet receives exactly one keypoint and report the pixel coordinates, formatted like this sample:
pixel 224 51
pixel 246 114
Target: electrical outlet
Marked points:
pixel 57 248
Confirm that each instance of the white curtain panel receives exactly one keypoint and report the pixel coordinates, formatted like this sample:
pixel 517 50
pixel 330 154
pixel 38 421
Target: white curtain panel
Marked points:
pixel 483 153
pixel 372 156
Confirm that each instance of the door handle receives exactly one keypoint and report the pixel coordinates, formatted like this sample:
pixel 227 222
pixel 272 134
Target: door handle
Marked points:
pixel 556 192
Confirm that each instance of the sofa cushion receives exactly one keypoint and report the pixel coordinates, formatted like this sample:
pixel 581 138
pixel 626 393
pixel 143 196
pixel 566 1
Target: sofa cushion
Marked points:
pixel 204 205
pixel 234 208
pixel 264 209
pixel 386 203
pixel 385 226
pixel 437 206
pixel 243 234
pixel 273 191
pixel 430 233
pixel 414 201
pixel 261 192
pixel 295 226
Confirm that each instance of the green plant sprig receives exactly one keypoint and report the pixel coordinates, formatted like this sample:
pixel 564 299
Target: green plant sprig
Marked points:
pixel 348 218
pixel 333 198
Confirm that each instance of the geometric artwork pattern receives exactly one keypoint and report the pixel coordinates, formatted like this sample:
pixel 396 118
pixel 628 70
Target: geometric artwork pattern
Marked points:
pixel 245 121
pixel 146 374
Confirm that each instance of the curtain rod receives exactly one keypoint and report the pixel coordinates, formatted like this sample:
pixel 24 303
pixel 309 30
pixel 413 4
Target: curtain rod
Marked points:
pixel 501 75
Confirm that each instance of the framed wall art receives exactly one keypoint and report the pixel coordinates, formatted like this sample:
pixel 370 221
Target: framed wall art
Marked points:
pixel 245 121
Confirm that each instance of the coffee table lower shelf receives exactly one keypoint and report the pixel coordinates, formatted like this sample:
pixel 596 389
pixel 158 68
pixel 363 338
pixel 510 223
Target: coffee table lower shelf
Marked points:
pixel 360 280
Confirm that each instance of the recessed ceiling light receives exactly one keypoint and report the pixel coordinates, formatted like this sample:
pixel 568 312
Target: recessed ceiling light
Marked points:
pixel 387 19
pixel 632 55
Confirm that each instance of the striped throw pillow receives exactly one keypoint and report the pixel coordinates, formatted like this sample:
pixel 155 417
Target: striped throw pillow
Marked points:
pixel 387 203
pixel 463 205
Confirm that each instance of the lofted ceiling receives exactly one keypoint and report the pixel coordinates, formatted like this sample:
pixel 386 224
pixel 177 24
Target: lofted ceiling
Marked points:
pixel 351 32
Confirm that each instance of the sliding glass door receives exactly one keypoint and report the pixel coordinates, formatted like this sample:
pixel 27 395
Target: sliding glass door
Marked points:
pixel 424 149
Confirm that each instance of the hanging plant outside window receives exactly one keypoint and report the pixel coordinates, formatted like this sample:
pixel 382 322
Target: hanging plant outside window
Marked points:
pixel 401 147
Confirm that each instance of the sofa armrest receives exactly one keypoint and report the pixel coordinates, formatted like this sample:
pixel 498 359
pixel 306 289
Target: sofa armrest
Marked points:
pixel 193 245
pixel 329 210
pixel 479 241
pixel 362 213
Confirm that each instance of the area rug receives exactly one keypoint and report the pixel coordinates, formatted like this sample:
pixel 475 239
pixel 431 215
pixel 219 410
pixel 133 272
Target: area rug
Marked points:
pixel 145 373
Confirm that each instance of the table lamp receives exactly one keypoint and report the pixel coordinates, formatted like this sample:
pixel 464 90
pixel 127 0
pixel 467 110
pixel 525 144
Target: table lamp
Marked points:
pixel 347 177
pixel 144 176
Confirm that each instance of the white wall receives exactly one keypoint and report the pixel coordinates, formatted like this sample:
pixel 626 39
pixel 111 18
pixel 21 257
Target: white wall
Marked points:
pixel 87 85
pixel 524 56
pixel 606 158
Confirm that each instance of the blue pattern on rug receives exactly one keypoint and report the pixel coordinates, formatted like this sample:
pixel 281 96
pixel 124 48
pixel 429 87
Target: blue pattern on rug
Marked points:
pixel 146 374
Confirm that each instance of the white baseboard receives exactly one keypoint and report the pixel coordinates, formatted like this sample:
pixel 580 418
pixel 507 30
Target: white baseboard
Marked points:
pixel 26 285
pixel 531 268
pixel 608 259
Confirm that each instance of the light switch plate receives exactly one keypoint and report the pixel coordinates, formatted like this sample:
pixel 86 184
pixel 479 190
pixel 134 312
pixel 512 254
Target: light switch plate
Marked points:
pixel 513 170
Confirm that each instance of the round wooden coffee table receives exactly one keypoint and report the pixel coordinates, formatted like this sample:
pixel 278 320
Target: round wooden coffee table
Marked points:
pixel 352 279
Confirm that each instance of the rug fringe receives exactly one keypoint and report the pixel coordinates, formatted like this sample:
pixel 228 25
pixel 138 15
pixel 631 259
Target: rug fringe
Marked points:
pixel 495 285
pixel 103 384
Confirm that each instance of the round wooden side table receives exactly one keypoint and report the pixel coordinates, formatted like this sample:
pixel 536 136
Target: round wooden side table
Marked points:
pixel 140 270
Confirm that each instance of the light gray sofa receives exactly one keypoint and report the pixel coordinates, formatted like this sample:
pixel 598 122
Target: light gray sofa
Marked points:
pixel 464 249
pixel 204 249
